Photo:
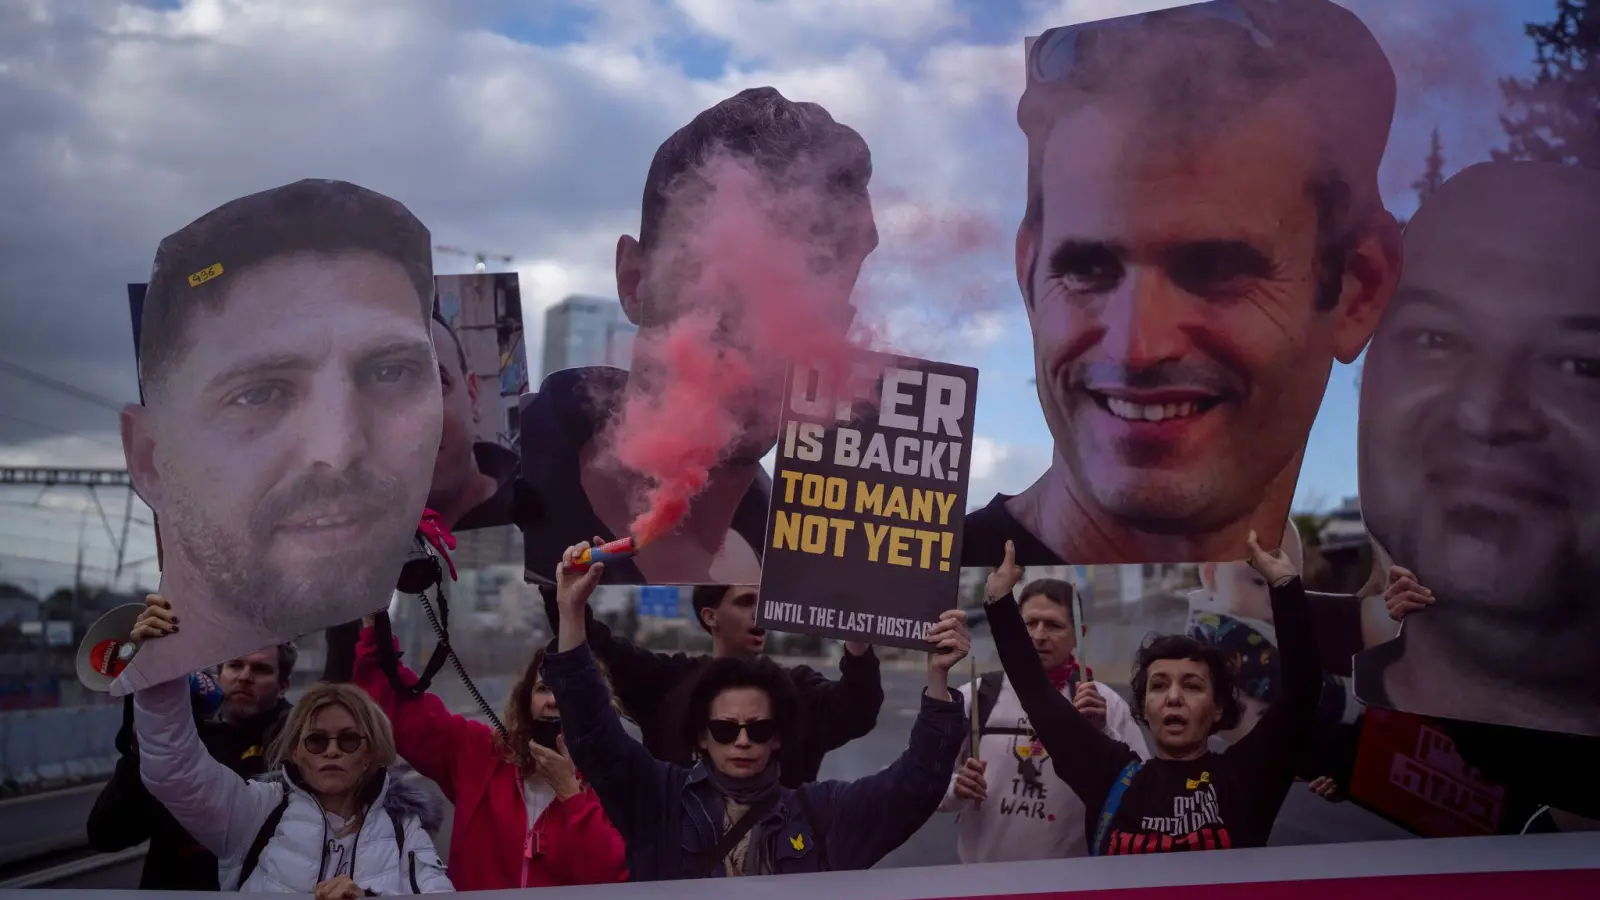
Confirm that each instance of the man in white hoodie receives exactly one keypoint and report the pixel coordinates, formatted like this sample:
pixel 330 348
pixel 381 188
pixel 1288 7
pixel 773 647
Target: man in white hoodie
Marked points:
pixel 1009 803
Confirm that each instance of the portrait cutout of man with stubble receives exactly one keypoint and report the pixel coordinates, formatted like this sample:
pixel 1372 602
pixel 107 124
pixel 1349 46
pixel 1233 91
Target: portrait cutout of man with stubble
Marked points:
pixel 290 419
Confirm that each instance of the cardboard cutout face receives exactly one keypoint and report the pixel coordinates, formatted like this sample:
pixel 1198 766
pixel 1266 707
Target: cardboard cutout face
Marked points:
pixel 755 227
pixel 291 417
pixel 1480 448
pixel 1203 241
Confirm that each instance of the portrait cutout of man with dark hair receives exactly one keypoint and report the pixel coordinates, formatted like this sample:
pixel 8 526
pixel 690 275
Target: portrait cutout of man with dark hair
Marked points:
pixel 290 417
pixel 1203 238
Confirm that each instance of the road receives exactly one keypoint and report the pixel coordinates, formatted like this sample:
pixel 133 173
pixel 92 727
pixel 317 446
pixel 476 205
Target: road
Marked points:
pixel 1305 819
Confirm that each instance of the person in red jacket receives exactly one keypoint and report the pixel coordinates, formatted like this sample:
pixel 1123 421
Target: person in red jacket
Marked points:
pixel 523 816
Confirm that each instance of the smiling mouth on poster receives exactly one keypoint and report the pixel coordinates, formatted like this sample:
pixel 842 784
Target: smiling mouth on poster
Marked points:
pixel 424 572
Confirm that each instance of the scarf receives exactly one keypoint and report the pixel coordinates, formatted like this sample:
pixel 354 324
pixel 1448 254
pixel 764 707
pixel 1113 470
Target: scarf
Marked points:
pixel 739 794
pixel 1064 674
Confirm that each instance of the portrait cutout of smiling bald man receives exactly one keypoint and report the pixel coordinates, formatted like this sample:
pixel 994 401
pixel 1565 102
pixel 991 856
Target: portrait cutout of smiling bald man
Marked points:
pixel 1479 451
pixel 1203 238
pixel 290 419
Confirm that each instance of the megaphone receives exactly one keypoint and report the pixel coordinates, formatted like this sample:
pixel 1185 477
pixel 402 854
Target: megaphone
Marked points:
pixel 106 650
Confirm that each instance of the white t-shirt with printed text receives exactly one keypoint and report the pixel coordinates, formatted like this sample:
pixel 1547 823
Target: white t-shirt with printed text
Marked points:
pixel 1031 813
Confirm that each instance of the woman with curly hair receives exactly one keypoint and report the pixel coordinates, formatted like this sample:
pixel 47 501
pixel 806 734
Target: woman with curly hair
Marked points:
pixel 1188 797
pixel 523 815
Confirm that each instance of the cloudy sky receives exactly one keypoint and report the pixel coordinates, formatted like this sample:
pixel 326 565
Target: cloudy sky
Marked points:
pixel 525 129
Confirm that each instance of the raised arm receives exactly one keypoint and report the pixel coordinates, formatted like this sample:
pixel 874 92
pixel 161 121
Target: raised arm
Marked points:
pixel 628 780
pixel 839 712
pixel 1274 746
pixel 1082 755
pixel 640 677
pixel 218 808
pixel 432 739
pixel 866 819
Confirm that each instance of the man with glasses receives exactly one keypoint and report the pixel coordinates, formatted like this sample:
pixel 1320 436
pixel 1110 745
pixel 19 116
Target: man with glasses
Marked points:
pixel 1203 236
pixel 251 714
pixel 816 173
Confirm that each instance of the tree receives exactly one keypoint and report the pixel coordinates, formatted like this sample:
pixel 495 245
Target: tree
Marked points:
pixel 1433 175
pixel 1557 114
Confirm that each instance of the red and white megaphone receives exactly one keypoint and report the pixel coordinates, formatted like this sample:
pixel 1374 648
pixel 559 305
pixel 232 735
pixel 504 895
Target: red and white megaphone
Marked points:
pixel 106 650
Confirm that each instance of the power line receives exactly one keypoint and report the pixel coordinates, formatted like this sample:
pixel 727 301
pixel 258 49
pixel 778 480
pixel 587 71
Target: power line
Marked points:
pixel 54 384
pixel 36 424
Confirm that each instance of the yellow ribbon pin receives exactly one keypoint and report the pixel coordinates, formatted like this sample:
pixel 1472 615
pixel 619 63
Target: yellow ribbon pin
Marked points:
pixel 1194 783
pixel 798 842
pixel 253 751
pixel 205 275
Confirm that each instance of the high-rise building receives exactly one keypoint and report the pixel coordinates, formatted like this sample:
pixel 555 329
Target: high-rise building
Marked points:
pixel 586 331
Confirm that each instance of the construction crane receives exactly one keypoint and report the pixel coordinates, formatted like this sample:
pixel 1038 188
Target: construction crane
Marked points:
pixel 480 261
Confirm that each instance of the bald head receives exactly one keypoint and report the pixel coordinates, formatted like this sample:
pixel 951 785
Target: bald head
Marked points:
pixel 1530 228
pixel 1480 402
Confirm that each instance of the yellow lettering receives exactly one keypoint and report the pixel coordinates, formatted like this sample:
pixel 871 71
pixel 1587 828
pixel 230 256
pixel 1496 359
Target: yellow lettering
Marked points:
pixel 899 543
pixel 789 477
pixel 922 505
pixel 841 527
pixel 928 539
pixel 837 490
pixel 875 535
pixel 814 535
pixel 897 503
pixel 786 532
pixel 946 501
pixel 869 498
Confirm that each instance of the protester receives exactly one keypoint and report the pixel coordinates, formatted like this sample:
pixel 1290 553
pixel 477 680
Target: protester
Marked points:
pixel 654 687
pixel 329 818
pixel 1188 797
pixel 729 815
pixel 1008 806
pixel 523 817
pixel 252 712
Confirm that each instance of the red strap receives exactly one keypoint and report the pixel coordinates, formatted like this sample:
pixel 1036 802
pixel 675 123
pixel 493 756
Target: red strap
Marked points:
pixel 438 534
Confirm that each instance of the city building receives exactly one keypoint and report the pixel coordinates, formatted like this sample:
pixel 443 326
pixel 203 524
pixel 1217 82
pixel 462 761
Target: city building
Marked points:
pixel 586 331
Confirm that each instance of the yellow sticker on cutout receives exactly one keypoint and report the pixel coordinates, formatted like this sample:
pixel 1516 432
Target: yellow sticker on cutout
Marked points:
pixel 205 275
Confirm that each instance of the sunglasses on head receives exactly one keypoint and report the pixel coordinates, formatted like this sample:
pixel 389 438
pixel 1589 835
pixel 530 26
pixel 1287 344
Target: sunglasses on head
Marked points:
pixel 1056 52
pixel 760 731
pixel 316 743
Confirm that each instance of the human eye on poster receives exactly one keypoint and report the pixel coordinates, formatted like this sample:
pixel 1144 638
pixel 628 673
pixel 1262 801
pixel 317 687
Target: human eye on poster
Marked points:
pixel 290 417
pixel 1175 275
pixel 863 541
pixel 1478 450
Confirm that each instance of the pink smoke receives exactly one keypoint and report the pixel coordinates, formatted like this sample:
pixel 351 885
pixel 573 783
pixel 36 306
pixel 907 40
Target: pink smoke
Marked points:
pixel 758 305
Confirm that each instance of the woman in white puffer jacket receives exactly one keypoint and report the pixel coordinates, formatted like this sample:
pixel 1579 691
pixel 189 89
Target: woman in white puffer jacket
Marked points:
pixel 331 818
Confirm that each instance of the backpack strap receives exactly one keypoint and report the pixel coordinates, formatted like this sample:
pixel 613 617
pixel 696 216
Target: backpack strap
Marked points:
pixel 989 685
pixel 816 829
pixel 263 837
pixel 398 820
pixel 1108 811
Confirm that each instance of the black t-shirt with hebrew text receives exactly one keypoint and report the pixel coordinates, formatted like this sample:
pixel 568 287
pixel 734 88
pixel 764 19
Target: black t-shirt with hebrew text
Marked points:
pixel 1214 802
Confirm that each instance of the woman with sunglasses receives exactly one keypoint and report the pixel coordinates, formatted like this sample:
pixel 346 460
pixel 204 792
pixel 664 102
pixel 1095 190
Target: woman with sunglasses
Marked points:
pixel 329 819
pixel 523 817
pixel 729 815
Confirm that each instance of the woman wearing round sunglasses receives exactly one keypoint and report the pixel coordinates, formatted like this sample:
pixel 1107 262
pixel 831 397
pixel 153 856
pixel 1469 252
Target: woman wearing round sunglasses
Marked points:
pixel 728 815
pixel 330 818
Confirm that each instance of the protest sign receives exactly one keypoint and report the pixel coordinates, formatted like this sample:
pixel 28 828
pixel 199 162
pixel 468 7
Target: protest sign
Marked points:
pixel 863 539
